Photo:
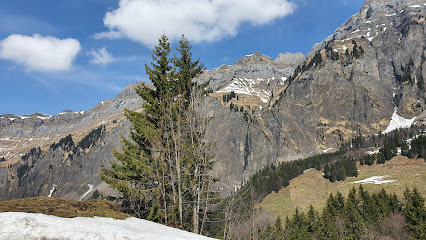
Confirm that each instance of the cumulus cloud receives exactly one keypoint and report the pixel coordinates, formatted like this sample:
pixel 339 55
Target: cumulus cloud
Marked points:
pixel 200 20
pixel 101 57
pixel 40 53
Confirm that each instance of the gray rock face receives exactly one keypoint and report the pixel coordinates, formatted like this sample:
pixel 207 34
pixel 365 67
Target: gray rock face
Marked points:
pixel 370 65
pixel 340 99
pixel 290 59
pixel 64 171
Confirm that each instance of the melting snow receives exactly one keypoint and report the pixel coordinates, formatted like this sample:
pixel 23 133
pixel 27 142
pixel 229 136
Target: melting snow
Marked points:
pixel 39 226
pixel 245 86
pixel 375 180
pixel 375 151
pixel 88 191
pixel 326 150
pixel 398 122
pixel 356 31
pixel 415 6
pixel 52 190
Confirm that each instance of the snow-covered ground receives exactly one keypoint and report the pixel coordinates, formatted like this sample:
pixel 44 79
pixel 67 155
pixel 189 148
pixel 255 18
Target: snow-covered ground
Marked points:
pixel 398 122
pixel 247 86
pixel 39 226
pixel 375 180
pixel 327 150
pixel 374 151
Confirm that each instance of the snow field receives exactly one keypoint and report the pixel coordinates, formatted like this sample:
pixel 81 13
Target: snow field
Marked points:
pixel 398 122
pixel 31 226
pixel 375 180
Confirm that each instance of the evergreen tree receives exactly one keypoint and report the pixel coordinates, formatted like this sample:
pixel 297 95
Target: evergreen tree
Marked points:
pixel 312 219
pixel 277 231
pixel 340 202
pixel 353 225
pixel 381 158
pixel 140 171
pixel 326 226
pixel 297 227
pixel 415 213
pixel 162 170
pixel 389 149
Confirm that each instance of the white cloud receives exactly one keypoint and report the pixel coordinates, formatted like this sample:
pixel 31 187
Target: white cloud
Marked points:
pixel 40 53
pixel 101 56
pixel 200 20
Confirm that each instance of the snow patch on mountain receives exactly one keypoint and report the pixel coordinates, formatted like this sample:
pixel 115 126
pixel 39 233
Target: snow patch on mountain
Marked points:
pixel 375 180
pixel 247 86
pixel 39 226
pixel 398 122
pixel 88 191
pixel 52 190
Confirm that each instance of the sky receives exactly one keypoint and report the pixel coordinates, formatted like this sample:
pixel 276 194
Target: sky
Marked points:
pixel 60 55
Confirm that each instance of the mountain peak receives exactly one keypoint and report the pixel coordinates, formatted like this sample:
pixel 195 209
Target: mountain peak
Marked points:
pixel 255 58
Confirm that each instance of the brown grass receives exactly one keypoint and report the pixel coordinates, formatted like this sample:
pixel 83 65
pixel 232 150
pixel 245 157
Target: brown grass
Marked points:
pixel 312 188
pixel 64 208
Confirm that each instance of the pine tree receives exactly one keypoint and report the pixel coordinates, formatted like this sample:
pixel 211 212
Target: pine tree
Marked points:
pixel 312 219
pixel 326 226
pixel 353 225
pixel 277 231
pixel 381 158
pixel 415 213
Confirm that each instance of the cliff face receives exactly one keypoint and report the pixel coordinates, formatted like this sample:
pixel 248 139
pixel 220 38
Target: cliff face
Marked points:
pixel 295 106
pixel 349 85
pixel 372 64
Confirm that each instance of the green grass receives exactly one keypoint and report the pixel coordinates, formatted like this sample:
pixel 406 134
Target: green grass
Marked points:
pixel 63 208
pixel 312 188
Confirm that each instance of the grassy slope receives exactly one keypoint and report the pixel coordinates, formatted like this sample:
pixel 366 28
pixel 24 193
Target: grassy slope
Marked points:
pixel 63 208
pixel 312 188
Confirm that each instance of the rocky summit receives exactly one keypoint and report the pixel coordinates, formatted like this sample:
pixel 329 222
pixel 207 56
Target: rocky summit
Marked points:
pixel 368 72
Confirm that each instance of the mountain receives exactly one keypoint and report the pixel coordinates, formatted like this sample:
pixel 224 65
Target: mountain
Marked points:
pixel 369 71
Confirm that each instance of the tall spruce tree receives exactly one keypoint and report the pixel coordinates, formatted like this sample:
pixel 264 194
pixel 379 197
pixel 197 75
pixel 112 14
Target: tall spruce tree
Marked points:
pixel 141 171
pixel 163 168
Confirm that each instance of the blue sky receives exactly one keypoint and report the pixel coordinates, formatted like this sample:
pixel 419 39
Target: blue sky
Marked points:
pixel 57 55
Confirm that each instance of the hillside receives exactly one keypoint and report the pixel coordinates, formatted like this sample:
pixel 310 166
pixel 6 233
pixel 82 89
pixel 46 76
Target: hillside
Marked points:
pixel 312 188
